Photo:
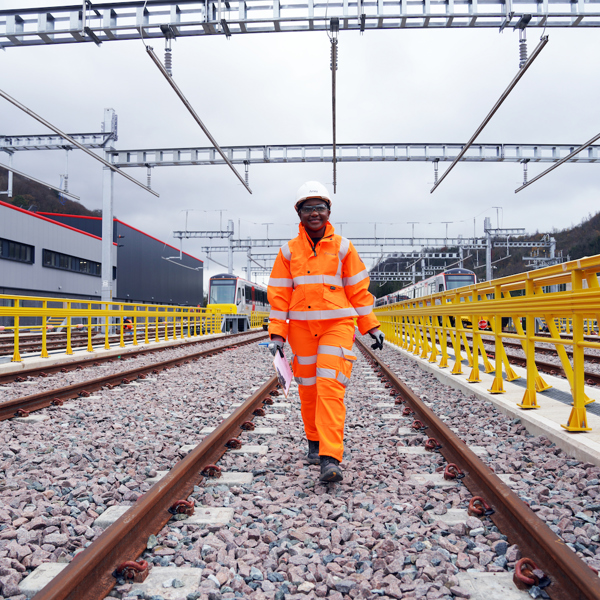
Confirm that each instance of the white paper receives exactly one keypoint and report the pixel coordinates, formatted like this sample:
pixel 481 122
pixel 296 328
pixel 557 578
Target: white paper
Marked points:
pixel 284 372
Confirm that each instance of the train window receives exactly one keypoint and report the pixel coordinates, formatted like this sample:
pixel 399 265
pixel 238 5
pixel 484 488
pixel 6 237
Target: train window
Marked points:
pixel 248 293
pixel 239 296
pixel 459 280
pixel 222 291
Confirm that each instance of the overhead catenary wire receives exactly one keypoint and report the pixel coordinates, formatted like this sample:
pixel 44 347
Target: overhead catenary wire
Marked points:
pixel 67 137
pixel 52 187
pixel 195 116
pixel 499 102
pixel 560 162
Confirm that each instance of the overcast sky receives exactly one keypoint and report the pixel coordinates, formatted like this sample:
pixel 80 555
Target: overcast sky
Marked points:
pixel 393 86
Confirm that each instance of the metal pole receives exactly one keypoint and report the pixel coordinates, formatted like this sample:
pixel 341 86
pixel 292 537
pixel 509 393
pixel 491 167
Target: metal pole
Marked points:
pixel 249 264
pixel 460 260
pixel 509 89
pixel 10 176
pixel 230 257
pixel 333 108
pixel 488 249
pixel 74 142
pixel 194 114
pixel 107 234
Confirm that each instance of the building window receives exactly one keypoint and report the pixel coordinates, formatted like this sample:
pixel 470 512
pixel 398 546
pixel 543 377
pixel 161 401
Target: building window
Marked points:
pixel 15 251
pixel 57 260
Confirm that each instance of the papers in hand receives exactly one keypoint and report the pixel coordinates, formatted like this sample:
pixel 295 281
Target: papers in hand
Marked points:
pixel 284 372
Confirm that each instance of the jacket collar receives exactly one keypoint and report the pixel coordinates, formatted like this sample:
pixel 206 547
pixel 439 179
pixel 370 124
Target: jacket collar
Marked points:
pixel 329 232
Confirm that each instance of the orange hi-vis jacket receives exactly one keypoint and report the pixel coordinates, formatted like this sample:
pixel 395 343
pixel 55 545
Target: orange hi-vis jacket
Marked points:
pixel 327 281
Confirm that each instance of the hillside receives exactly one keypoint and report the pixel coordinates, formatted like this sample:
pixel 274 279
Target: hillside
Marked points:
pixel 574 242
pixel 34 196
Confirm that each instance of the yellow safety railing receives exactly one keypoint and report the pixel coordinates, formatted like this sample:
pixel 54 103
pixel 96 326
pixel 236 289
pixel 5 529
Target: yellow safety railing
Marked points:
pixel 93 321
pixel 427 326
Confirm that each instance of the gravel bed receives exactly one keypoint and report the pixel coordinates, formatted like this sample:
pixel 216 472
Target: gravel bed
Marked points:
pixel 378 533
pixel 58 475
pixel 35 385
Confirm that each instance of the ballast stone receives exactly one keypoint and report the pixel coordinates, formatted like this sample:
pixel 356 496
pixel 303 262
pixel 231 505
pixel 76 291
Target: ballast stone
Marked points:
pixel 40 577
pixel 490 586
pixel 159 577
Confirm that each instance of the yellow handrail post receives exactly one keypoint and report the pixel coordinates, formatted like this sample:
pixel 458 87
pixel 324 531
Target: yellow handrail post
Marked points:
pixel 529 398
pixel 135 343
pixel 434 350
pixel 425 345
pixel 122 327
pixel 90 348
pixel 578 417
pixel 444 343
pixel 16 324
pixel 156 338
pixel 69 348
pixel 455 336
pixel 44 353
pixel 146 319
pixel 474 375
pixel 498 384
pixel 106 326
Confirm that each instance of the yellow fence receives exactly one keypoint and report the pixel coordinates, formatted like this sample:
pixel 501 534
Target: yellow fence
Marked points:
pixel 427 326
pixel 94 321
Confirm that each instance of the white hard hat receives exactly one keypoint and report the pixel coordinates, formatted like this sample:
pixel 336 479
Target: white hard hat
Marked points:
pixel 312 189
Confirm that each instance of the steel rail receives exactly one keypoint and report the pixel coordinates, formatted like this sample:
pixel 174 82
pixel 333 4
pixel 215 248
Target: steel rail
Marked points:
pixel 127 352
pixel 89 575
pixel 34 402
pixel 571 578
pixel 499 102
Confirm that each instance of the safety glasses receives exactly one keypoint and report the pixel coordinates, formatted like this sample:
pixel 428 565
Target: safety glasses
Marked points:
pixel 319 208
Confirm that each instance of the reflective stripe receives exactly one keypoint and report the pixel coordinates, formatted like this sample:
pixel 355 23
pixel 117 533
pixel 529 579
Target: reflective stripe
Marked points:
pixel 332 350
pixel 278 314
pixel 321 279
pixel 348 355
pixel 361 311
pixel 356 278
pixel 280 282
pixel 326 373
pixel 306 360
pixel 287 253
pixel 344 247
pixel 331 374
pixel 337 351
pixel 343 379
pixel 318 315
pixel 305 380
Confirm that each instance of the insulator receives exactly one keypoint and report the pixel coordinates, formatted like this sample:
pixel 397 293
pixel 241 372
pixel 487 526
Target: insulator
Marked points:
pixel 334 55
pixel 246 171
pixel 435 171
pixel 522 48
pixel 169 61
pixel 524 173
pixel 149 177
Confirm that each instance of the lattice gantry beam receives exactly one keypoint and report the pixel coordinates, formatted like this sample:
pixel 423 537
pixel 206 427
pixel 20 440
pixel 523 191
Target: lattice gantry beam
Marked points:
pixel 305 153
pixel 14 143
pixel 112 21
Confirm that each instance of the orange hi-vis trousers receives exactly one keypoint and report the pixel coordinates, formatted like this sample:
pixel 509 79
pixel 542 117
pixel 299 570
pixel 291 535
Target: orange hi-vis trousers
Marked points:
pixel 322 367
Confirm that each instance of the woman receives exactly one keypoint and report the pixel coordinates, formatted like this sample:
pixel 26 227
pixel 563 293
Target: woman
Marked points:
pixel 320 284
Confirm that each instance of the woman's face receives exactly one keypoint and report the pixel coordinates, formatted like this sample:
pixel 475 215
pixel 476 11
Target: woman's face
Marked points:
pixel 313 220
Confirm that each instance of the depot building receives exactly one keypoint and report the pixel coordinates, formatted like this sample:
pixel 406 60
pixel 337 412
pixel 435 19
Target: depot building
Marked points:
pixel 60 256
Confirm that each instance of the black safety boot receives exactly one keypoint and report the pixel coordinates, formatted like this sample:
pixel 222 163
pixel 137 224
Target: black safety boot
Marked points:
pixel 330 470
pixel 312 458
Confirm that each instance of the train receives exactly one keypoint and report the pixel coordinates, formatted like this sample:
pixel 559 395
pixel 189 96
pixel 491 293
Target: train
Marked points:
pixel 239 299
pixel 447 280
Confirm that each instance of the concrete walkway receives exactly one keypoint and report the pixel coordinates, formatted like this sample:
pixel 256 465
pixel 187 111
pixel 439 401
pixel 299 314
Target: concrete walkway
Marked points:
pixel 555 405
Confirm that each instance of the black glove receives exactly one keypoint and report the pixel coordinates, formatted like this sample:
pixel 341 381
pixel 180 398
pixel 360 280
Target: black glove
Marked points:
pixel 275 345
pixel 378 337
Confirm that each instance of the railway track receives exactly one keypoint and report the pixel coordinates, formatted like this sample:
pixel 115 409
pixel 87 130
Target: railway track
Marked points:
pixel 127 352
pixel 20 407
pixel 373 533
pixel 570 577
